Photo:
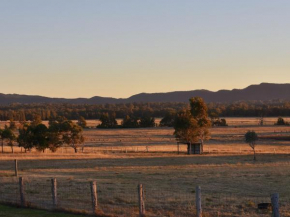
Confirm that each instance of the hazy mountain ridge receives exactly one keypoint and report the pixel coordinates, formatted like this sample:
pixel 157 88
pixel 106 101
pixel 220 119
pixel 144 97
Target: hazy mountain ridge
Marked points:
pixel 263 91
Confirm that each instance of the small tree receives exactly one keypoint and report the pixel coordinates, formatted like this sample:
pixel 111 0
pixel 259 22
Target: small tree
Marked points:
pixel 72 135
pixel 25 137
pixel 281 121
pixel 55 134
pixel 40 137
pixel 251 137
pixel 9 136
pixel 147 121
pixel 130 122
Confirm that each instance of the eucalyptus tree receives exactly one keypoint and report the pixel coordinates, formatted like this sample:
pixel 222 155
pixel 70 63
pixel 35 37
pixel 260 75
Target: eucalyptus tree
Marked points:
pixel 251 137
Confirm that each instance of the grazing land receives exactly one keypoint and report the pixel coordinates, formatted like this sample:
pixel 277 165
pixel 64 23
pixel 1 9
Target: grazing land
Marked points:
pixel 119 159
pixel 8 211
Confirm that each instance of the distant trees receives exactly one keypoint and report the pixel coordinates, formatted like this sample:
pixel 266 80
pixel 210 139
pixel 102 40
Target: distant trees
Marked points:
pixel 193 125
pixel 12 125
pixel 134 122
pixel 37 135
pixel 130 122
pixel 219 122
pixel 82 122
pixel 168 119
pixel 108 120
pixel 27 112
pixel 281 122
pixel 251 137
pixel 147 121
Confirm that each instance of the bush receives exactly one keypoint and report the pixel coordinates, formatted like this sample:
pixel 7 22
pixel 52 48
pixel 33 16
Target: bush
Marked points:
pixel 281 122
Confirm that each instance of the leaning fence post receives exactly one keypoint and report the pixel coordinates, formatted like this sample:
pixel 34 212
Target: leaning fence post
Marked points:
pixel 21 189
pixel 16 168
pixel 141 200
pixel 94 196
pixel 198 201
pixel 54 192
pixel 275 205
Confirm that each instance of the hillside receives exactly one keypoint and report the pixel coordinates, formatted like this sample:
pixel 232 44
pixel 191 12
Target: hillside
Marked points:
pixel 263 91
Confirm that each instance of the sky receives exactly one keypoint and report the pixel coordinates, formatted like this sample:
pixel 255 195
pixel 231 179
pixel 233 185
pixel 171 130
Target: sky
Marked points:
pixel 113 48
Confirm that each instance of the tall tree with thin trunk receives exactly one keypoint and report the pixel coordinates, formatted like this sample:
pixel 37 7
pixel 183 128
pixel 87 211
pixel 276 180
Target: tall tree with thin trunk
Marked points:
pixel 72 135
pixel 9 137
pixel 251 137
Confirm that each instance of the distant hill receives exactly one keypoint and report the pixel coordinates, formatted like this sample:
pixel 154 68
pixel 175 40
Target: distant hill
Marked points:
pixel 263 91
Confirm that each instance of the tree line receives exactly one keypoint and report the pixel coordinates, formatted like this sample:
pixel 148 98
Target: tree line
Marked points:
pixel 37 135
pixel 26 112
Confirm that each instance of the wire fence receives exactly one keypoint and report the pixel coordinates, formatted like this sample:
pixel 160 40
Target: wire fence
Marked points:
pixel 122 199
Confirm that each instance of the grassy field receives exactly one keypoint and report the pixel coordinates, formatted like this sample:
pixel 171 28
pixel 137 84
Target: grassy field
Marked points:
pixel 232 183
pixel 8 211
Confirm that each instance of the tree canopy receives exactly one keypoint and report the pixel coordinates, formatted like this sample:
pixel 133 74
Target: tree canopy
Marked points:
pixel 191 125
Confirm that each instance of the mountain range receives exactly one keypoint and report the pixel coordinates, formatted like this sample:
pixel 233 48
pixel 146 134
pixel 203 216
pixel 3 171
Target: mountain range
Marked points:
pixel 263 91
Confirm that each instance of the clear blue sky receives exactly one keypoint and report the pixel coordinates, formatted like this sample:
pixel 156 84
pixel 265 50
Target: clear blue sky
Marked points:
pixel 84 48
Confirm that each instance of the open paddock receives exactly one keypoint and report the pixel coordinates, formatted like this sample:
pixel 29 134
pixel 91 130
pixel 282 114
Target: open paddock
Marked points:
pixel 119 159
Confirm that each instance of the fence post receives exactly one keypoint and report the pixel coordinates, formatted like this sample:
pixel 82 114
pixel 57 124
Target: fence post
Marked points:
pixel 54 192
pixel 94 196
pixel 275 205
pixel 141 200
pixel 16 168
pixel 198 201
pixel 21 189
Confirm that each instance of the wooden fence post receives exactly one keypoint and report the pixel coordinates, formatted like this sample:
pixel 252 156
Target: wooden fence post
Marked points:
pixel 198 201
pixel 141 200
pixel 94 196
pixel 275 205
pixel 21 190
pixel 16 168
pixel 54 192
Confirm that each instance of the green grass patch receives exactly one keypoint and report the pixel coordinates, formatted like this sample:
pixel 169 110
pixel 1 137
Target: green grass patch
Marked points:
pixel 9 211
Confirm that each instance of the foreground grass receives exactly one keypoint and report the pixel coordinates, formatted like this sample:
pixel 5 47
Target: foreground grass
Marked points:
pixel 7 211
pixel 232 183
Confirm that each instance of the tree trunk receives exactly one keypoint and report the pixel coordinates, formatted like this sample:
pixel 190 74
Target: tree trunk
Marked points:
pixel 12 149
pixel 254 154
pixel 2 146
pixel 76 150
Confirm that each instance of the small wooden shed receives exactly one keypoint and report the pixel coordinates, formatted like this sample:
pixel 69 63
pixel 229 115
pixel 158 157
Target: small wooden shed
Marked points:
pixel 194 148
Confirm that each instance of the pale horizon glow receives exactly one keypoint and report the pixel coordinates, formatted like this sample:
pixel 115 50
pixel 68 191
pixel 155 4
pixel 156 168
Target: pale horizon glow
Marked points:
pixel 73 48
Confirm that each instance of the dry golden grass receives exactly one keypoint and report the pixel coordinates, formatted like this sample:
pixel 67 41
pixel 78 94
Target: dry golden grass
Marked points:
pixel 232 183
